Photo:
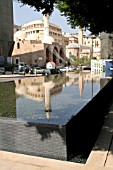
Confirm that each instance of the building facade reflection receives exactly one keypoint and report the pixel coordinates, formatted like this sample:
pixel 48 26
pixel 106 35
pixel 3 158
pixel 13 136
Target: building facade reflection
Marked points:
pixel 41 89
pixel 45 97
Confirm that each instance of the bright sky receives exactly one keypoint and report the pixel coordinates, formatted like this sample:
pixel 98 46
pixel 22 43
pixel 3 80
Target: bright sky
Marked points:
pixel 24 14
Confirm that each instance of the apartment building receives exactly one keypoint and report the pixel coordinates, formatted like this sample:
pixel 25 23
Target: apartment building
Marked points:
pixel 81 45
pixel 95 43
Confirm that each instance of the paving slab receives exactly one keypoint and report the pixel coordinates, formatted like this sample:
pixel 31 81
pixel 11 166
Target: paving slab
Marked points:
pixel 13 165
pixel 109 161
pixel 13 160
pixel 100 152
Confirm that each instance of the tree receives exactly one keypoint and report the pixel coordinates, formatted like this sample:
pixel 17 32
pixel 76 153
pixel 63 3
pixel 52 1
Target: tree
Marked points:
pixel 47 6
pixel 81 61
pixel 93 15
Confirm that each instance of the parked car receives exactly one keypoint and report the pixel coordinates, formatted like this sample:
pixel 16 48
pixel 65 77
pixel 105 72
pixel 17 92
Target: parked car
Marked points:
pixel 2 70
pixel 46 72
pixel 70 68
pixel 87 68
pixel 27 68
pixel 56 71
pixel 38 70
pixel 51 71
pixel 64 69
pixel 22 71
pixel 31 70
pixel 15 70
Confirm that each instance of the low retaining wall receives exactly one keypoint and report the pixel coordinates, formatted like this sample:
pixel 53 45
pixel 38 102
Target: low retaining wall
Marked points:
pixel 33 139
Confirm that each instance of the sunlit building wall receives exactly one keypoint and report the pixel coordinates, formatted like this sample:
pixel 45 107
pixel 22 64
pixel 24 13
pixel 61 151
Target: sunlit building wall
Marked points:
pixel 35 31
pixel 95 43
pixel 89 45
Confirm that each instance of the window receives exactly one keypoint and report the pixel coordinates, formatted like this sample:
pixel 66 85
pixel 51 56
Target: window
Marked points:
pixel 18 45
pixel 17 60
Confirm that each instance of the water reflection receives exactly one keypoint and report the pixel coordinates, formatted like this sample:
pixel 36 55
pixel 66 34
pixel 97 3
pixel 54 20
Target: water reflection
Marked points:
pixel 53 98
pixel 81 83
pixel 42 89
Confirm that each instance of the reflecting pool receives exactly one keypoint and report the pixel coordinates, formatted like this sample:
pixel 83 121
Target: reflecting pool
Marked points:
pixel 53 116
pixel 50 99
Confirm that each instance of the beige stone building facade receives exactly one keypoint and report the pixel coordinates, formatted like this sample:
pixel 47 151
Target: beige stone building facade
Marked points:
pixel 39 42
pixel 6 29
pixel 35 31
pixel 81 45
pixel 95 43
pixel 37 53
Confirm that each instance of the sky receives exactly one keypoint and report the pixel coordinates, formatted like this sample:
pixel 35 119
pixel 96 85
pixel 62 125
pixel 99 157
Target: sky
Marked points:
pixel 25 14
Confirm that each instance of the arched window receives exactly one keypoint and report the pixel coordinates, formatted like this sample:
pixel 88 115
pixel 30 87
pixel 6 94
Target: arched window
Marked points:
pixel 18 45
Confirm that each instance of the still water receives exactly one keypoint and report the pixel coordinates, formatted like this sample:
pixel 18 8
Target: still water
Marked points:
pixel 52 99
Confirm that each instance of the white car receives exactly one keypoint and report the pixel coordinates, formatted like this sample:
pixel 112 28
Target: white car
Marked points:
pixel 70 68
pixel 64 69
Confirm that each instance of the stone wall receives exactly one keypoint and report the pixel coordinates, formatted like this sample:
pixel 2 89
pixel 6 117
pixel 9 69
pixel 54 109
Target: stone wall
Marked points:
pixel 35 52
pixel 29 52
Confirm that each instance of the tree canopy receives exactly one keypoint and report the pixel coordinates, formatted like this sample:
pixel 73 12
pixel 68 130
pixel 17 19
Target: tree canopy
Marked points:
pixel 94 15
pixel 47 6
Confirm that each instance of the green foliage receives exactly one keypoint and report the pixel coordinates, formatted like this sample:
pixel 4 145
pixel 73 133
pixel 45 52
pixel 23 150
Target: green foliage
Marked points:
pixel 46 6
pixel 9 67
pixel 68 62
pixel 93 15
pixel 81 61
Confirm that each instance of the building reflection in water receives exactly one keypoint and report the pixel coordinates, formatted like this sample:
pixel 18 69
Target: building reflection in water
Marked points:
pixel 81 83
pixel 39 98
pixel 81 78
pixel 42 88
pixel 48 86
